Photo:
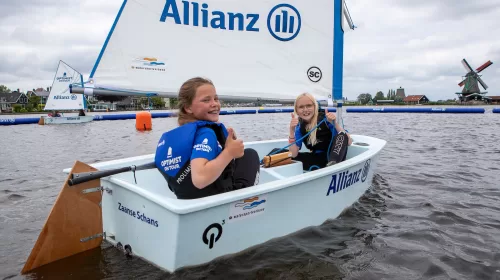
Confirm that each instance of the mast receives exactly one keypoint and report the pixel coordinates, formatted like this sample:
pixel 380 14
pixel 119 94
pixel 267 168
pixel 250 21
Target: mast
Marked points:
pixel 340 12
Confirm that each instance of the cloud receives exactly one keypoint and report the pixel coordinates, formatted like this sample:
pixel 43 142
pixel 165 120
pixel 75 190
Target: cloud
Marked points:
pixel 37 34
pixel 448 9
pixel 13 9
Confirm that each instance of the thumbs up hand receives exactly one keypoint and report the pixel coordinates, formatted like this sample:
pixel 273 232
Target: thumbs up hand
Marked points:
pixel 330 116
pixel 294 122
pixel 234 146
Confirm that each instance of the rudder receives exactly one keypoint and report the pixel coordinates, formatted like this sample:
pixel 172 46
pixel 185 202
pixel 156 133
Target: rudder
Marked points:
pixel 74 224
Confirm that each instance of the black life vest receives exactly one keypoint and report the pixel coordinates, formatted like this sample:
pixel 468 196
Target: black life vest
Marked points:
pixel 173 160
pixel 323 135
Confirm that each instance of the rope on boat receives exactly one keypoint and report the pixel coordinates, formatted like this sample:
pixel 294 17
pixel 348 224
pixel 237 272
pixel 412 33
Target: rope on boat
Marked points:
pixel 307 134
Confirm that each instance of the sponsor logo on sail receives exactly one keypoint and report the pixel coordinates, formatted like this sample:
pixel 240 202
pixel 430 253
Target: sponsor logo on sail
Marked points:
pixel 148 63
pixel 64 78
pixel 283 20
pixel 314 74
pixel 67 97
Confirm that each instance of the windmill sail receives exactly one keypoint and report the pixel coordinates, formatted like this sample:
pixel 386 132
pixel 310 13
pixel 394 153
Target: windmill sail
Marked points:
pixel 482 83
pixel 60 98
pixel 259 49
pixel 484 66
pixel 466 65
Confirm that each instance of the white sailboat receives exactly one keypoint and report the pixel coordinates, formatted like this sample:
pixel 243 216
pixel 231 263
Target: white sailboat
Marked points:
pixel 60 97
pixel 250 49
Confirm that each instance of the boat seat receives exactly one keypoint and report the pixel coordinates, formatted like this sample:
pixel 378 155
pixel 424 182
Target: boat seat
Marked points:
pixel 280 172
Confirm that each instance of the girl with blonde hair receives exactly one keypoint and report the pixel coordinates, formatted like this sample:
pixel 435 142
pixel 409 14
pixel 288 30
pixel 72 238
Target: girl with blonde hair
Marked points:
pixel 327 143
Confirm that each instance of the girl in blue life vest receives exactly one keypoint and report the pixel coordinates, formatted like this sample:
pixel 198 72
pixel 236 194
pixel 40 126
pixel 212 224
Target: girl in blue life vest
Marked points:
pixel 201 157
pixel 328 143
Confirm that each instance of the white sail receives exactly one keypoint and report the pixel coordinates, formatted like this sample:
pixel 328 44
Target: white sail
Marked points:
pixel 259 48
pixel 60 98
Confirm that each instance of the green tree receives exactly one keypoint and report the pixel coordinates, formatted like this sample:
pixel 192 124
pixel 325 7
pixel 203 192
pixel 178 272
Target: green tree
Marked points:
pixel 389 95
pixel 173 102
pixel 33 102
pixel 364 98
pixel 158 102
pixel 155 102
pixel 144 101
pixel 17 108
pixel 379 96
pixel 4 89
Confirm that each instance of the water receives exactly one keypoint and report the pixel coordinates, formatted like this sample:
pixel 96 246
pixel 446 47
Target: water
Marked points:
pixel 432 211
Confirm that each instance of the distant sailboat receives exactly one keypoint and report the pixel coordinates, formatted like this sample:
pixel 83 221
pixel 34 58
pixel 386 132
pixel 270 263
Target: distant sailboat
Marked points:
pixel 60 97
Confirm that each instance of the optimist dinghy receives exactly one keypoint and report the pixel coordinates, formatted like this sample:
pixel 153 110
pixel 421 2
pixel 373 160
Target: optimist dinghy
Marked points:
pixel 250 49
pixel 60 97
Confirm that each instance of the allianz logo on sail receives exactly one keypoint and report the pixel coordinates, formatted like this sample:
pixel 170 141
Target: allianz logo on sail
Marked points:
pixel 72 97
pixel 283 21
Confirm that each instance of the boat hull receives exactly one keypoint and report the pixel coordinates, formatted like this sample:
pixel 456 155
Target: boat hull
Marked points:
pixel 67 120
pixel 171 233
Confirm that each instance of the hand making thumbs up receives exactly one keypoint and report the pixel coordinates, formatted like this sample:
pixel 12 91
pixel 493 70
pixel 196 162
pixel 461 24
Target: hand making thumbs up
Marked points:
pixel 294 122
pixel 330 116
pixel 234 146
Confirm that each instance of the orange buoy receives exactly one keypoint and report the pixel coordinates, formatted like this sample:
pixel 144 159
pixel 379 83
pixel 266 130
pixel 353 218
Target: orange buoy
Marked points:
pixel 143 121
pixel 41 121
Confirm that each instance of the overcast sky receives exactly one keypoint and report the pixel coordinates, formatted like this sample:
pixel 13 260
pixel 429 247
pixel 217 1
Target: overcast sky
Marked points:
pixel 415 44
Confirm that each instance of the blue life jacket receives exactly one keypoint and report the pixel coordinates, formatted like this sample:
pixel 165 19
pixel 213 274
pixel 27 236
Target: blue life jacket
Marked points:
pixel 173 160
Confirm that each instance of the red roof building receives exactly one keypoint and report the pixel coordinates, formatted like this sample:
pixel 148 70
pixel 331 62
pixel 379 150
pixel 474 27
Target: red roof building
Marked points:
pixel 416 99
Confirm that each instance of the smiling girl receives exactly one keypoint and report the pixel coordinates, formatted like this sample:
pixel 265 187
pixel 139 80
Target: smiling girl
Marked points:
pixel 320 139
pixel 201 157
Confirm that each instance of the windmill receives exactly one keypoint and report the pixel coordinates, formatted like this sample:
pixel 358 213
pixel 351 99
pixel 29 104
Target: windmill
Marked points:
pixel 470 83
